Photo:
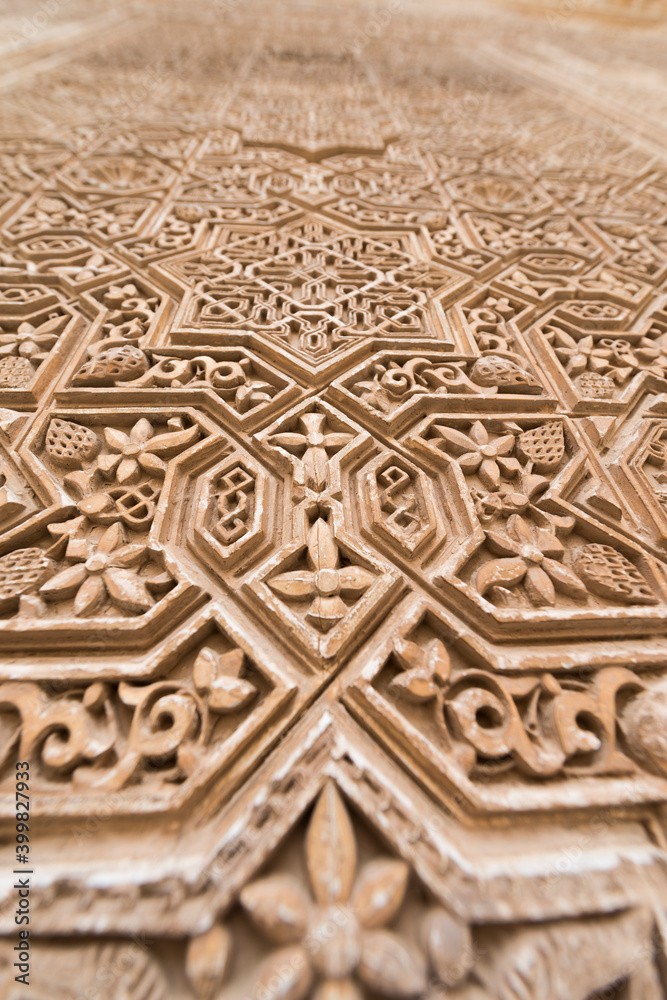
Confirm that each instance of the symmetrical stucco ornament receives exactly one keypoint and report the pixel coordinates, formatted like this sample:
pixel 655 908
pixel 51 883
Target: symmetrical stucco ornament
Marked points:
pixel 333 500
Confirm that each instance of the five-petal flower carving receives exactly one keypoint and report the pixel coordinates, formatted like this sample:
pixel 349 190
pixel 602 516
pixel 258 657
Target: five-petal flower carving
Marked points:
pixel 106 571
pixel 341 936
pixel 531 556
pixel 326 581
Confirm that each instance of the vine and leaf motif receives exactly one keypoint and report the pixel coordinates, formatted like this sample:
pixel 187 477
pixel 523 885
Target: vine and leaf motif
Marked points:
pixel 120 475
pixel 82 574
pixel 393 384
pixel 108 735
pixel 235 382
pixel 541 725
pixel 131 314
pixel 450 244
pixel 488 322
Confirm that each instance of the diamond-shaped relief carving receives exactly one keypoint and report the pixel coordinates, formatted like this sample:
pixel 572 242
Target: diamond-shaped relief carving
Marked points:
pixel 450 242
pixel 490 319
pixel 324 590
pixel 397 502
pixel 233 514
pixel 309 442
pixel 131 313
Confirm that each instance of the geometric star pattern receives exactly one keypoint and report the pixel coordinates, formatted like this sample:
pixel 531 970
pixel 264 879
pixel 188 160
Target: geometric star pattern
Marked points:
pixel 333 511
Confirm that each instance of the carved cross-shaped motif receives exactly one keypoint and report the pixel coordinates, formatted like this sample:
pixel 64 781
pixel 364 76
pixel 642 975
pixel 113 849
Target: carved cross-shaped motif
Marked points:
pixel 313 445
pixel 326 581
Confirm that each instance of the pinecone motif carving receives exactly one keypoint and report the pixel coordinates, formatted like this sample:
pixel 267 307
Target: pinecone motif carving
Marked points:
pixel 596 386
pixel 118 364
pixel 70 444
pixel 494 370
pixel 15 373
pixel 544 446
pixel 608 573
pixel 22 572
